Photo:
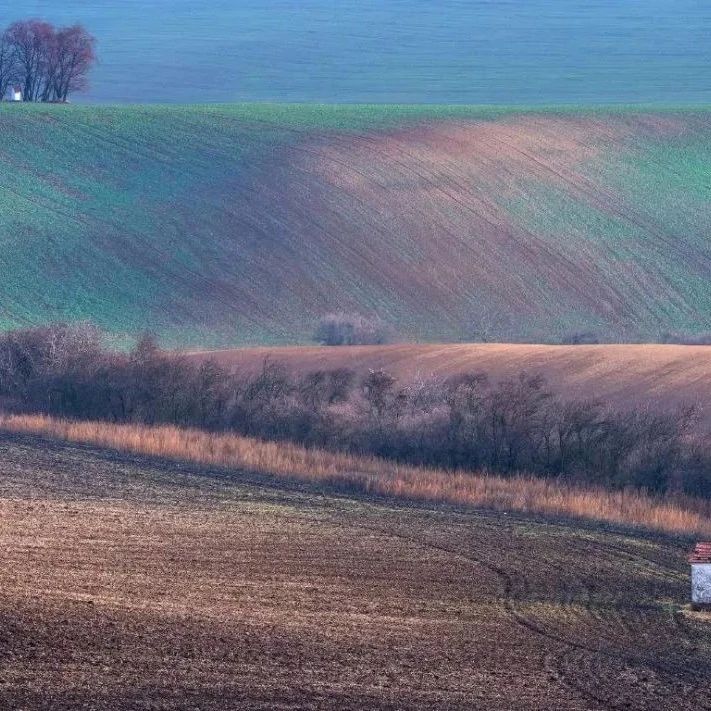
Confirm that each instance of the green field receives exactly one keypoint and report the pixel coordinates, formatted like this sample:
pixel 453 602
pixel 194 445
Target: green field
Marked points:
pixel 229 225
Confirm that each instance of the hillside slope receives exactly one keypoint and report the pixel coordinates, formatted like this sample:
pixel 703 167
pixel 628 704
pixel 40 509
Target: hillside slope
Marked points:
pixel 243 224
pixel 653 375
pixel 133 583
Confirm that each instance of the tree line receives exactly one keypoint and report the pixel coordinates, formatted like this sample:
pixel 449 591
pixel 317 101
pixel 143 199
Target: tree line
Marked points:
pixel 460 422
pixel 44 62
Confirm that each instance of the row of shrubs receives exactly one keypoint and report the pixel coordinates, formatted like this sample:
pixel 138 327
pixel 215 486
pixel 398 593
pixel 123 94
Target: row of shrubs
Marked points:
pixel 465 421
pixel 581 338
pixel 353 329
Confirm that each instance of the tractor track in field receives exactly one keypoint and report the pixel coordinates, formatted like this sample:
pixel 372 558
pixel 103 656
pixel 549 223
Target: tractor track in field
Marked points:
pixel 509 599
pixel 594 194
pixel 577 659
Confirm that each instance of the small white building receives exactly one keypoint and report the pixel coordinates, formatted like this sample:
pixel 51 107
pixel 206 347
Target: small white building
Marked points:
pixel 700 561
pixel 15 93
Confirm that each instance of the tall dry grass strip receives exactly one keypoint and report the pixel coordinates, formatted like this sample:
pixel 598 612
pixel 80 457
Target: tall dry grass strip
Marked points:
pixel 520 493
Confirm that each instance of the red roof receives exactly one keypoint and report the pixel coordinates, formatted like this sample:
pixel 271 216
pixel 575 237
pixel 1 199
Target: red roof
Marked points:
pixel 701 554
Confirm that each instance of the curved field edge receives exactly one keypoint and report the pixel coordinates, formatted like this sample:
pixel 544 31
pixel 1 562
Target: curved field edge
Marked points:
pixel 222 225
pixel 365 474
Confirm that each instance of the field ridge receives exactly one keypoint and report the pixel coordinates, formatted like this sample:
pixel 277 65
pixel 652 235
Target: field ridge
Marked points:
pixel 368 474
pixel 659 377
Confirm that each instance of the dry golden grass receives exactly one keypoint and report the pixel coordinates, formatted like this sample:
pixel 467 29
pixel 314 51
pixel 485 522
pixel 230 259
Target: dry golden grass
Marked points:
pixel 520 493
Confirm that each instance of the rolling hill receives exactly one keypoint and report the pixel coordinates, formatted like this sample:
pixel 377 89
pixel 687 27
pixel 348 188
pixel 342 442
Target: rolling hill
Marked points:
pixel 229 225
pixel 652 375
pixel 133 582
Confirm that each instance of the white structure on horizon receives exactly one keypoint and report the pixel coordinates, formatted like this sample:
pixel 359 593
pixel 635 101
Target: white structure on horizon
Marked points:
pixel 15 93
pixel 700 561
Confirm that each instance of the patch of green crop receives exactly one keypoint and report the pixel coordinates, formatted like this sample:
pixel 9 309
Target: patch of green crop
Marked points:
pixel 92 205
pixel 664 185
pixel 648 240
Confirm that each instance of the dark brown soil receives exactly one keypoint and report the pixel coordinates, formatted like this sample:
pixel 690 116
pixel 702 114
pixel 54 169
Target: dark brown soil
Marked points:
pixel 134 584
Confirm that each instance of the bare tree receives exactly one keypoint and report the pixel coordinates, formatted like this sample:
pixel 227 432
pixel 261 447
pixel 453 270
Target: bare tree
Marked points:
pixel 580 338
pixel 341 329
pixel 8 64
pixel 48 63
pixel 71 59
pixel 31 40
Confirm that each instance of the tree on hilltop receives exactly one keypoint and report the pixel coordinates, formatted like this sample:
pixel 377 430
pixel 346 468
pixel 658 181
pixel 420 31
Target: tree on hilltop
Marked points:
pixel 72 58
pixel 45 62
pixel 31 41
pixel 8 65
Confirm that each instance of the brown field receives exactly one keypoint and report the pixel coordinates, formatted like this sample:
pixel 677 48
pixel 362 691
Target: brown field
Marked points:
pixel 659 376
pixel 135 583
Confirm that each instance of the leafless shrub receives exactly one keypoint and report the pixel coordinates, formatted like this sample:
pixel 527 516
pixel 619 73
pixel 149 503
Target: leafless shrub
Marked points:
pixel 686 339
pixel 580 338
pixel 342 329
pixel 48 352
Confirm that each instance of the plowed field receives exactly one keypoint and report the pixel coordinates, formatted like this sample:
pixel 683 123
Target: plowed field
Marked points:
pixel 137 584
